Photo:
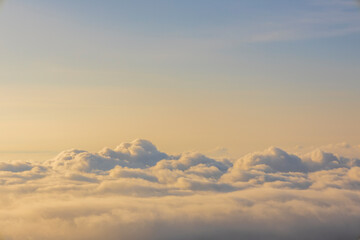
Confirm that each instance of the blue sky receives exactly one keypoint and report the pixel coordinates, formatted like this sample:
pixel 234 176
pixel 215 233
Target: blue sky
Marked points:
pixel 202 41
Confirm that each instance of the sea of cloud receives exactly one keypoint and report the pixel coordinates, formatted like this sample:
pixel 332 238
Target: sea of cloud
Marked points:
pixel 137 192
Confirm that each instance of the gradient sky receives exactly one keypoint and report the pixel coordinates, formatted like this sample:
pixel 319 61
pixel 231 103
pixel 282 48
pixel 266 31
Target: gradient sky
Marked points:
pixel 243 75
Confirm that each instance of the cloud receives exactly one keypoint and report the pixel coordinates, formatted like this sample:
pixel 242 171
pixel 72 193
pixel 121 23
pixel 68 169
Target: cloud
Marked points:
pixel 326 18
pixel 120 172
pixel 137 154
pixel 136 192
pixel 15 167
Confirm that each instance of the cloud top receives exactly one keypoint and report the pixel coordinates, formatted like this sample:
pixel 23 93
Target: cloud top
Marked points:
pixel 113 193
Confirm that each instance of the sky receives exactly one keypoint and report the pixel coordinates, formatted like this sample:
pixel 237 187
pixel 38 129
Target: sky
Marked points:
pixel 189 75
pixel 191 119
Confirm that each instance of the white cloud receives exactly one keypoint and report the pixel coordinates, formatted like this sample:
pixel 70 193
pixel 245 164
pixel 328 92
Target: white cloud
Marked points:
pixel 136 192
pixel 137 154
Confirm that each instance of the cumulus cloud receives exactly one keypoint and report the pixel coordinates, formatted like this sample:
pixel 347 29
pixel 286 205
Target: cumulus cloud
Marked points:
pixel 136 191
pixel 15 167
pixel 137 154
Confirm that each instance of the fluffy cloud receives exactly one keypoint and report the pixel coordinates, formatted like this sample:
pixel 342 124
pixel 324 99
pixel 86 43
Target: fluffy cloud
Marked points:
pixel 15 167
pixel 137 154
pixel 136 191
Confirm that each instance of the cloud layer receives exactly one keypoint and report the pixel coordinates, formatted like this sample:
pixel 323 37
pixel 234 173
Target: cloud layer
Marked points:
pixel 136 191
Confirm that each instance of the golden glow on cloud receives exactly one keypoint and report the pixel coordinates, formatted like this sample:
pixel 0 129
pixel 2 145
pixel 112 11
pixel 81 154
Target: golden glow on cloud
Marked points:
pixel 115 193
